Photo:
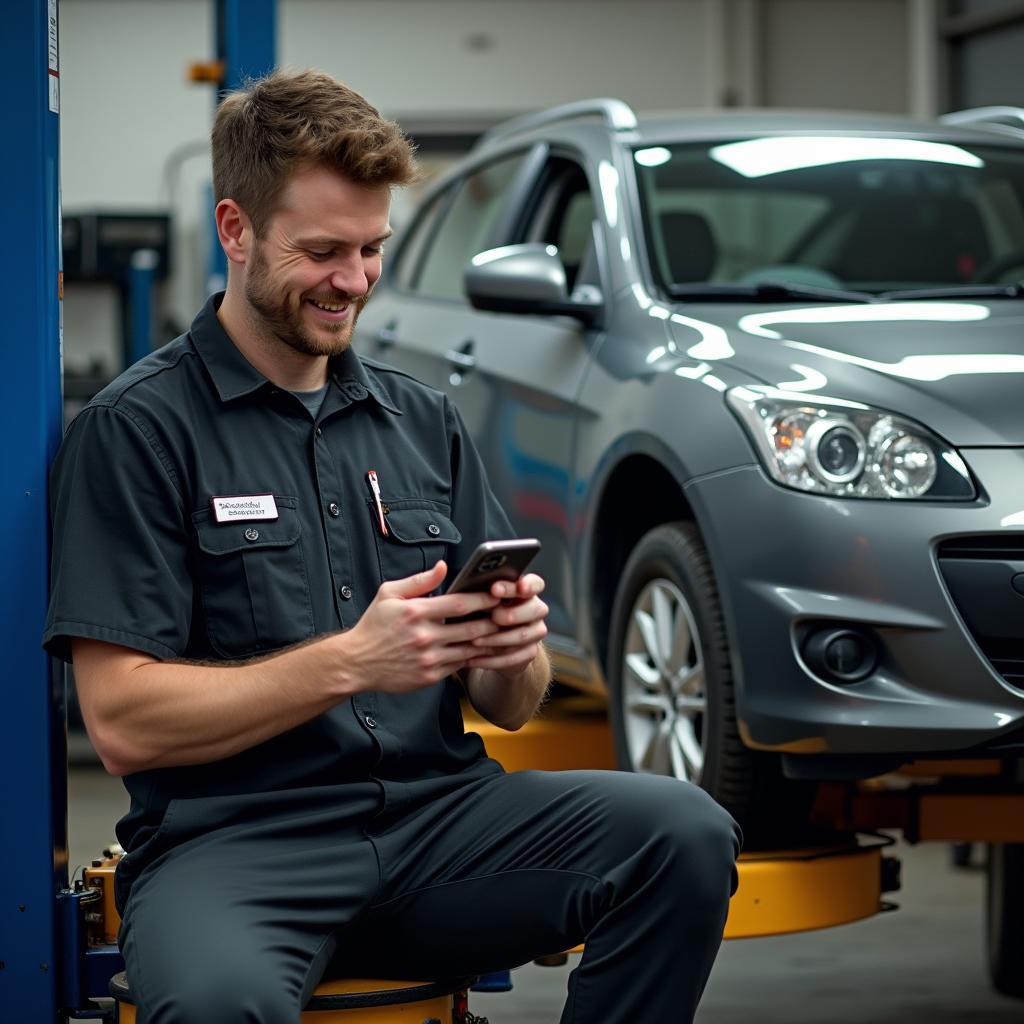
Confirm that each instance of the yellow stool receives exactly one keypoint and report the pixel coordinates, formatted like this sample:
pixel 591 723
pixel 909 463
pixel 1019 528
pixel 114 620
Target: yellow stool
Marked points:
pixel 359 1001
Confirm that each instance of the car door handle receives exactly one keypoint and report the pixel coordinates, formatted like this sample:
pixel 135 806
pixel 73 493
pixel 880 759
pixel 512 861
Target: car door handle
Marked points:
pixel 387 335
pixel 462 358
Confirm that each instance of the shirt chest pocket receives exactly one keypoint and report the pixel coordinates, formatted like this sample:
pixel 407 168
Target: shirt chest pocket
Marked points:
pixel 253 582
pixel 419 533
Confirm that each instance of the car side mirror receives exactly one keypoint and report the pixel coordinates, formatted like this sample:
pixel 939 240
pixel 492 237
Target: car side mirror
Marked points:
pixel 527 278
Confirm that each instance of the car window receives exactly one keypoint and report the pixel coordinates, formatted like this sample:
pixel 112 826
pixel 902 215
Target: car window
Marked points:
pixel 564 216
pixel 465 228
pixel 410 256
pixel 871 213
pixel 745 229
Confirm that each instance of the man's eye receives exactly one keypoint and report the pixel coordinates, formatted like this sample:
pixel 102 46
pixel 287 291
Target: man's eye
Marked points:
pixel 319 255
pixel 374 250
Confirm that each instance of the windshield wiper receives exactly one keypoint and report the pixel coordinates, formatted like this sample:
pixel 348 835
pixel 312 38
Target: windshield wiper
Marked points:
pixel 766 291
pixel 962 291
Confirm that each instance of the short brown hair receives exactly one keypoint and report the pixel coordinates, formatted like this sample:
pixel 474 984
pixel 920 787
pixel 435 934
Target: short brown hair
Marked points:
pixel 274 126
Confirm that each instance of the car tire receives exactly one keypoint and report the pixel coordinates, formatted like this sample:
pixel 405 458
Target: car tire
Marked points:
pixel 672 703
pixel 1004 917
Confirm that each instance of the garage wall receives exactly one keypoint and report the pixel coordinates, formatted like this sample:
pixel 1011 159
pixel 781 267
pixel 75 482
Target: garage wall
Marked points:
pixel 986 52
pixel 133 130
pixel 494 56
pixel 847 54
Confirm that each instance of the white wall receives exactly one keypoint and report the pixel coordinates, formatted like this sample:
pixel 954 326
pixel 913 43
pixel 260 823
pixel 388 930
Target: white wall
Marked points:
pixel 845 54
pixel 417 56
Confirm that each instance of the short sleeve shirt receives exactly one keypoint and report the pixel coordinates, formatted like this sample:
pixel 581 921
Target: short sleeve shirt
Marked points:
pixel 201 512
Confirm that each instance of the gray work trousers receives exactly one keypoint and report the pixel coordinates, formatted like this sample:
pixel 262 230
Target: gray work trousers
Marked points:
pixel 238 924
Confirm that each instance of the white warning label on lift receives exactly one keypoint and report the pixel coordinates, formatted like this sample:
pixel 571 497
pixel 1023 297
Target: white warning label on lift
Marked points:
pixel 53 62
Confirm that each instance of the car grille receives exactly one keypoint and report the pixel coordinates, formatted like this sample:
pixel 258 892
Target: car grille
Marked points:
pixel 978 571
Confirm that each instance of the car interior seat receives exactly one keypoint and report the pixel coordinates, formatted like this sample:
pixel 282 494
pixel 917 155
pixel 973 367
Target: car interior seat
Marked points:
pixel 688 245
pixel 913 240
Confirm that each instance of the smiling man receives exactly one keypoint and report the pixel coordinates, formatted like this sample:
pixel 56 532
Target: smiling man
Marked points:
pixel 252 527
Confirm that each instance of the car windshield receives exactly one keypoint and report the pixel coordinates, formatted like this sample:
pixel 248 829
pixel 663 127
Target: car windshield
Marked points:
pixel 864 213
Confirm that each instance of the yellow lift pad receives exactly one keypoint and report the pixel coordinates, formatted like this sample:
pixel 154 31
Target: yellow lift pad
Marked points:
pixel 785 891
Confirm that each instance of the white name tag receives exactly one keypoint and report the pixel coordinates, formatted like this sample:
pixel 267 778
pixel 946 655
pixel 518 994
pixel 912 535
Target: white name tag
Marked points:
pixel 236 507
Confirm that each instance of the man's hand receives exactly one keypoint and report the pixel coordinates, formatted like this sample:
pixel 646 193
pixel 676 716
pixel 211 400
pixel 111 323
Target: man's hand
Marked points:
pixel 402 641
pixel 509 674
pixel 519 627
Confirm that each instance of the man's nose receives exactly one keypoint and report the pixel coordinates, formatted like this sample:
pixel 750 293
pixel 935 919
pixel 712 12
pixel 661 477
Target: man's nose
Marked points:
pixel 350 278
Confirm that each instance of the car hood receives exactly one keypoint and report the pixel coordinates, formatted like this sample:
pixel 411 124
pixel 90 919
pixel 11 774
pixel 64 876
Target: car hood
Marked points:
pixel 956 367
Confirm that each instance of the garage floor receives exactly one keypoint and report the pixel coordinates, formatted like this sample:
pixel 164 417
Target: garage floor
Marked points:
pixel 921 963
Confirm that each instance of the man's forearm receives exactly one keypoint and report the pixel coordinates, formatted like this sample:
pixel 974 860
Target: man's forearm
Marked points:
pixel 152 714
pixel 510 703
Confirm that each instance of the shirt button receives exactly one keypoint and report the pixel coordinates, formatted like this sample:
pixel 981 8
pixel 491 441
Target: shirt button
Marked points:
pixel 252 533
pixel 433 529
pixel 334 509
pixel 318 432
pixel 371 721
pixel 346 592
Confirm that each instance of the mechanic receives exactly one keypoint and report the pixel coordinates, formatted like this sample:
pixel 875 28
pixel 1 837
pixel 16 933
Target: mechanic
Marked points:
pixel 252 528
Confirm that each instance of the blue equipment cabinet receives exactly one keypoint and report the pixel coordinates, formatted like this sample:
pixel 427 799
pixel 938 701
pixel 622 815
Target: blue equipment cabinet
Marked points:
pixel 32 738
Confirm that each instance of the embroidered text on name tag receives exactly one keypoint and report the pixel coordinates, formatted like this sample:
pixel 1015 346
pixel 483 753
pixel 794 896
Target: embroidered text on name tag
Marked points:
pixel 237 507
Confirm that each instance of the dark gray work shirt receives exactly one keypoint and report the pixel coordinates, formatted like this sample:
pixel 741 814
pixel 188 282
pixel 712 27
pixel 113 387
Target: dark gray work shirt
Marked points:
pixel 141 560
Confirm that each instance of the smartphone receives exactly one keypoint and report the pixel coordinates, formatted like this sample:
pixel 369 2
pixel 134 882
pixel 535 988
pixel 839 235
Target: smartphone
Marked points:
pixel 495 560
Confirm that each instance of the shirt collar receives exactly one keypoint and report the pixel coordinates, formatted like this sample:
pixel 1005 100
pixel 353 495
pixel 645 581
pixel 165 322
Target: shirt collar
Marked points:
pixel 234 376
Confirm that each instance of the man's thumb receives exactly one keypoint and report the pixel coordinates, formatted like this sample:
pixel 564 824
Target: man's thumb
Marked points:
pixel 419 584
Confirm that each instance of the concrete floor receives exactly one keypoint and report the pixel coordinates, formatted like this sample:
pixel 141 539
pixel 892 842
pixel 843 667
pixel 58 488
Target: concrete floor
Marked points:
pixel 923 963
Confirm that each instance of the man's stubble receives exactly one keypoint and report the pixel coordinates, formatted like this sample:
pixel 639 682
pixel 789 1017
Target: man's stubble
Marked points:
pixel 275 316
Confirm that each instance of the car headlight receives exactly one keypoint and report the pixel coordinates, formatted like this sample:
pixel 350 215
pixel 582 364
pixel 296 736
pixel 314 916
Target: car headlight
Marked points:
pixel 849 450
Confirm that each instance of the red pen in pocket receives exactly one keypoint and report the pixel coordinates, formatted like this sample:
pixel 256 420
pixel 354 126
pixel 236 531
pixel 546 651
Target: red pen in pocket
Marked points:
pixel 371 475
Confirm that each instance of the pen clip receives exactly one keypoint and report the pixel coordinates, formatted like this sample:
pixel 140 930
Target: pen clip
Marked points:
pixel 371 475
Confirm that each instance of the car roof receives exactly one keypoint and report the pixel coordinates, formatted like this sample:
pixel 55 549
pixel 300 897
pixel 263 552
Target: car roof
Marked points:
pixel 707 125
pixel 701 124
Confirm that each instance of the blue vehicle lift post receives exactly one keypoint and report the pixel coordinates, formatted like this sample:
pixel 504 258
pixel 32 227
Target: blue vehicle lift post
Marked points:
pixel 43 968
pixel 245 32
pixel 32 736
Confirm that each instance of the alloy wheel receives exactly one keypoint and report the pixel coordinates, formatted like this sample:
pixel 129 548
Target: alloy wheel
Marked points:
pixel 664 702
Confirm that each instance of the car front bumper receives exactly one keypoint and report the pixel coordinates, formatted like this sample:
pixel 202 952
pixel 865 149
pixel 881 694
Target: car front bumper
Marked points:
pixel 788 563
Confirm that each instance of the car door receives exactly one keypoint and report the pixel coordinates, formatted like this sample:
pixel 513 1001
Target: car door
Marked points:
pixel 422 307
pixel 515 379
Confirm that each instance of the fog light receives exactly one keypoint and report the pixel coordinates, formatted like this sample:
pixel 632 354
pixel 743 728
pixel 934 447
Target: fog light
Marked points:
pixel 845 655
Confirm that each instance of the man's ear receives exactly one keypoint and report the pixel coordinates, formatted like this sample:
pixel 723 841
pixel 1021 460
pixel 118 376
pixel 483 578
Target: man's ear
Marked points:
pixel 234 229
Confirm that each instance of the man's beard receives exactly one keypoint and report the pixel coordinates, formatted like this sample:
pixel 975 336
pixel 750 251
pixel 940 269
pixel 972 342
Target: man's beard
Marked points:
pixel 276 313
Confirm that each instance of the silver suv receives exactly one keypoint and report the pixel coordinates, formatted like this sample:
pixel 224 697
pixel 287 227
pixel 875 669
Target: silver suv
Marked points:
pixel 755 380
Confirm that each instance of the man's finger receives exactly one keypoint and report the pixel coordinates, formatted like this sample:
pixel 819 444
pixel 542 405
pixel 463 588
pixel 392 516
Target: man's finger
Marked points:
pixel 418 585
pixel 520 613
pixel 518 637
pixel 516 659
pixel 454 606
pixel 471 630
pixel 517 590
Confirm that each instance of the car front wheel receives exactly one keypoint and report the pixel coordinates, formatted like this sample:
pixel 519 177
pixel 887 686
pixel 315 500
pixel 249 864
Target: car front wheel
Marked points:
pixel 671 698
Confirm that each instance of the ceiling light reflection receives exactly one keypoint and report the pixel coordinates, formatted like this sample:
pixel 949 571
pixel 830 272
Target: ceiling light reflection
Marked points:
pixel 810 379
pixel 755 158
pixel 608 179
pixel 881 312
pixel 929 367
pixel 714 342
pixel 654 156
